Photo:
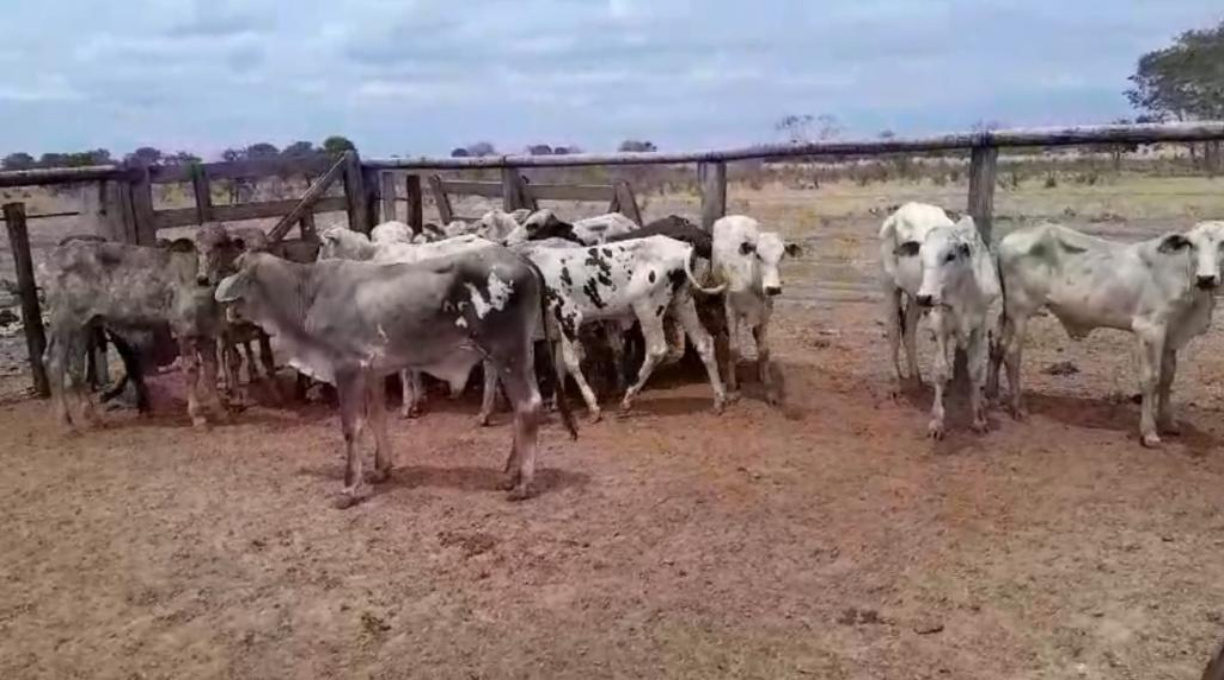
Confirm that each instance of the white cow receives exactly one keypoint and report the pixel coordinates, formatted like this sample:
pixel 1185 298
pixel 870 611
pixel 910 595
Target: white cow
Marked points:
pixel 902 276
pixel 345 244
pixel 946 269
pixel 639 278
pixel 393 231
pixel 1162 290
pixel 745 258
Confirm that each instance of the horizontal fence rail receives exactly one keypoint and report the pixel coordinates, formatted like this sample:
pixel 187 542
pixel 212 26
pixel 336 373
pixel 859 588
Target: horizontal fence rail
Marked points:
pixel 1051 137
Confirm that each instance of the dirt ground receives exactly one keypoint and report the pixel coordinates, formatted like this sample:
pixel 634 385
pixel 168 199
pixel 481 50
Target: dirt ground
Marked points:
pixel 828 538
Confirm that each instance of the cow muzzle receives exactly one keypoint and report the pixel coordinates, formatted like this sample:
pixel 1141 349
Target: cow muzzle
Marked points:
pixel 202 280
pixel 773 291
pixel 926 300
pixel 1207 282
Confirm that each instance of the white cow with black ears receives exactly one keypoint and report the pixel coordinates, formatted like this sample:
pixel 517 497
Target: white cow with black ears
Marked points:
pixel 1162 290
pixel 745 258
pixel 947 270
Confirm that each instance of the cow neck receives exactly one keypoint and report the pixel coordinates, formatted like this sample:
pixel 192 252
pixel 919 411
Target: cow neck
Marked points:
pixel 286 292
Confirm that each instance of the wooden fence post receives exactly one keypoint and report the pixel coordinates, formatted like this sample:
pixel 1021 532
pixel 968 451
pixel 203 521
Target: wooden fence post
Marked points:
pixel 983 167
pixel 142 208
pixel 306 226
pixel 416 203
pixel 119 213
pixel 625 202
pixel 31 313
pixel 387 194
pixel 370 196
pixel 713 179
pixel 203 193
pixel 355 193
pixel 445 212
pixel 515 194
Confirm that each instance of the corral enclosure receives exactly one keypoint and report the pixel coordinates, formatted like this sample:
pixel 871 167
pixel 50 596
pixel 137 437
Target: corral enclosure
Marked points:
pixel 827 538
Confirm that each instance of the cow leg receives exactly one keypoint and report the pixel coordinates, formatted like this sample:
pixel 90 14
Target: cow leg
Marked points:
pixel 686 311
pixel 191 369
pixel 524 397
pixel 909 333
pixel 1165 421
pixel 208 360
pixel 409 401
pixel 573 362
pixel 1013 346
pixel 730 374
pixel 351 391
pixel 656 350
pixel 978 357
pixel 56 359
pixel 616 347
pixel 942 373
pixel 269 364
pixel 760 335
pixel 376 406
pixel 894 324
pixel 488 398
pixel 230 362
pixel 1151 354
pixel 248 355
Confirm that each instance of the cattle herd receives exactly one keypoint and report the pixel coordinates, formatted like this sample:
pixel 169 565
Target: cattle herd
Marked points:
pixel 353 309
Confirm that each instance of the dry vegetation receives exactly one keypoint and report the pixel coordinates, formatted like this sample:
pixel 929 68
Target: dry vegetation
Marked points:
pixel 826 539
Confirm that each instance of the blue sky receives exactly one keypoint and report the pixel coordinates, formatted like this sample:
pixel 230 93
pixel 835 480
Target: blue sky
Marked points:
pixel 413 77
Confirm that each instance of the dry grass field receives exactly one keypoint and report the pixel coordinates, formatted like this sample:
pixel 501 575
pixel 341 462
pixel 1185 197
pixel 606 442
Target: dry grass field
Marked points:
pixel 826 538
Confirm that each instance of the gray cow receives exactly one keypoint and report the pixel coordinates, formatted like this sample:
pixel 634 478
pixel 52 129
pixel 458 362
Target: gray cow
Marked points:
pixel 354 323
pixel 125 286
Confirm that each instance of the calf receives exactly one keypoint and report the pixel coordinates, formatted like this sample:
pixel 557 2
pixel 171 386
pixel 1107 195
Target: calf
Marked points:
pixel 947 270
pixel 124 286
pixel 745 258
pixel 353 323
pixel 902 276
pixel 639 278
pixel 1162 290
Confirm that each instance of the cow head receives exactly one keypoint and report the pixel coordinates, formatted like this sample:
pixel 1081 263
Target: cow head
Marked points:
pixel 947 258
pixel 767 253
pixel 340 243
pixel 1203 242
pixel 216 253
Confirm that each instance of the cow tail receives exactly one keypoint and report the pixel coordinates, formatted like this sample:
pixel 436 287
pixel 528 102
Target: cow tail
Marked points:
pixel 688 271
pixel 567 416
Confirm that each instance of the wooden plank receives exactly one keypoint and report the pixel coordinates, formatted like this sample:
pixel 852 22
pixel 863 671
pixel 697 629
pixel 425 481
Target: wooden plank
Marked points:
pixel 466 188
pixel 142 208
pixel 574 192
pixel 117 201
pixel 625 202
pixel 445 212
pixel 416 203
pixel 50 176
pixel 387 195
pixel 27 290
pixel 306 226
pixel 202 188
pixel 370 197
pixel 1067 136
pixel 185 217
pixel 246 169
pixel 713 178
pixel 309 198
pixel 983 167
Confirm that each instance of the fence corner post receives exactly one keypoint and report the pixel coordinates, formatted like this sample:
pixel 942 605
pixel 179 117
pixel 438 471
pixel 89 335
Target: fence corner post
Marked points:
pixel 416 203
pixel 31 312
pixel 713 180
pixel 983 167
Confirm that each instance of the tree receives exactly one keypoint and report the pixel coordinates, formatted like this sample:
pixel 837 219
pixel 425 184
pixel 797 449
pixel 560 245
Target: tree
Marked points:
pixel 564 150
pixel 637 146
pixel 144 157
pixel 799 129
pixel 181 158
pixel 231 155
pixel 459 152
pixel 299 150
pixel 18 161
pixel 481 149
pixel 337 145
pixel 262 150
pixel 540 150
pixel 1184 81
pixel 887 135
pixel 53 160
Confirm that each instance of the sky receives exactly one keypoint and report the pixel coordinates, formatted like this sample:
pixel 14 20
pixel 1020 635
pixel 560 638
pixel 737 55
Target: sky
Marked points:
pixel 420 77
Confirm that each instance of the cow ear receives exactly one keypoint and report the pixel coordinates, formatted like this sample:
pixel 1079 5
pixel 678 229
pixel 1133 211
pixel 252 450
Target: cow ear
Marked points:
pixel 963 250
pixel 1173 243
pixel 231 287
pixel 747 248
pixel 793 249
pixel 908 249
pixel 182 245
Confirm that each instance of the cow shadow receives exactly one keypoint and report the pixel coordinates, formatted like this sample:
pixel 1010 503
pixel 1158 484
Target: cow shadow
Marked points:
pixel 1121 417
pixel 459 478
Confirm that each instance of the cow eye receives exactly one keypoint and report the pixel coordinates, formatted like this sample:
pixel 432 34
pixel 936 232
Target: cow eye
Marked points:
pixel 951 257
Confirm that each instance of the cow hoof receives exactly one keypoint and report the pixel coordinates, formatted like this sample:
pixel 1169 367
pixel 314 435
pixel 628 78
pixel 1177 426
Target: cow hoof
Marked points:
pixel 482 420
pixel 199 422
pixel 720 405
pixel 1019 413
pixel 345 501
pixel 1171 428
pixel 733 396
pixel 980 426
pixel 378 476
pixel 935 430
pixel 773 400
pixel 508 482
pixel 1151 441
pixel 518 493
pixel 597 415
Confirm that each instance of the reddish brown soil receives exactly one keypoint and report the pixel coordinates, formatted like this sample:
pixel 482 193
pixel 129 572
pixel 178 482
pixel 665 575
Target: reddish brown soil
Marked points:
pixel 825 539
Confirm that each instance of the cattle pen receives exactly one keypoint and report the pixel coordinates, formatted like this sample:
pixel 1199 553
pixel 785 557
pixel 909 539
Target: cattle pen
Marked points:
pixel 824 538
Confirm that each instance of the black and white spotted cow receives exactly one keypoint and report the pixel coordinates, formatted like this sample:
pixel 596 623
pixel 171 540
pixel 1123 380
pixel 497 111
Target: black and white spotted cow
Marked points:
pixel 639 278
